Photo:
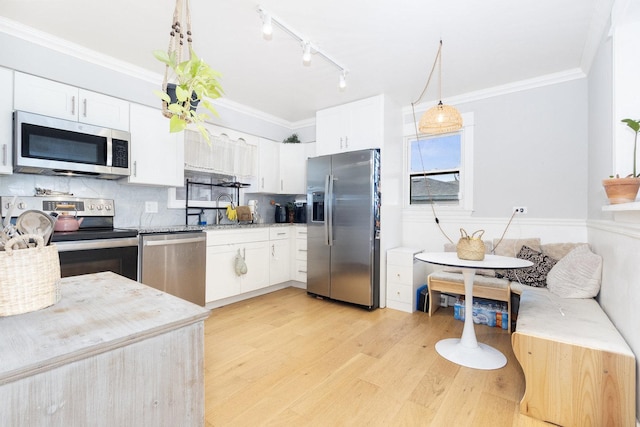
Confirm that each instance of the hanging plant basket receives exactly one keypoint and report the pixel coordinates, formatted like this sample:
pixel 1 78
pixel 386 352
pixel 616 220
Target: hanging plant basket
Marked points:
pixel 187 83
pixel 173 99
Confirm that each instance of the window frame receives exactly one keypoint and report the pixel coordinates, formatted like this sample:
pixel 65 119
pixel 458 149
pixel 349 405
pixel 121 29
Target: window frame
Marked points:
pixel 465 202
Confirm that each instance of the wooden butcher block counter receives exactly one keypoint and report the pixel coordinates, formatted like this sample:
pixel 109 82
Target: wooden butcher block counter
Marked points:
pixel 112 352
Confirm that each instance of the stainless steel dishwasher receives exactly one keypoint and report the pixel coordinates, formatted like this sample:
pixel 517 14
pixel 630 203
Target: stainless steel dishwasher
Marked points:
pixel 175 263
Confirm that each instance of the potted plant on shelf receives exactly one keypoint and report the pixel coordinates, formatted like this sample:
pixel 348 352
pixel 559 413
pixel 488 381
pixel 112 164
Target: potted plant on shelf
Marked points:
pixel 292 139
pixel 625 190
pixel 195 82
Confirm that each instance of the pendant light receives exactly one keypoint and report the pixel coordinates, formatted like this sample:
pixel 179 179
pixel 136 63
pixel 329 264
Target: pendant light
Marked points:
pixel 441 118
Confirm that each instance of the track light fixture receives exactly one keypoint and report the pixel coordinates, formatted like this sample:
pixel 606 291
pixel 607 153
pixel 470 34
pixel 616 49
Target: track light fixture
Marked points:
pixel 267 27
pixel 306 56
pixel 342 84
pixel 308 48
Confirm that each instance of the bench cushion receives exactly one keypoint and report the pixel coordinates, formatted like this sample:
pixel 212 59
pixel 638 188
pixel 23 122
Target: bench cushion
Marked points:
pixel 544 315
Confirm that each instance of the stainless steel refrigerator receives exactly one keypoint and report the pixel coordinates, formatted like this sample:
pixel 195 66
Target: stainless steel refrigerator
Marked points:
pixel 343 226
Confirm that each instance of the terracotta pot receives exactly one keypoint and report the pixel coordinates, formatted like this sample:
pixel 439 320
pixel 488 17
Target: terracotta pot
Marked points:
pixel 621 190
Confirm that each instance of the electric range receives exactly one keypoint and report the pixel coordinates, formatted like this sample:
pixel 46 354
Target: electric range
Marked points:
pixel 96 246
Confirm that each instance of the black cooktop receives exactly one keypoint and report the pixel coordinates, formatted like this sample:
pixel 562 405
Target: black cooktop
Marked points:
pixel 93 234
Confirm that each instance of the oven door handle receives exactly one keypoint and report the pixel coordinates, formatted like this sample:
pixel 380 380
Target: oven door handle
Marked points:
pixel 85 245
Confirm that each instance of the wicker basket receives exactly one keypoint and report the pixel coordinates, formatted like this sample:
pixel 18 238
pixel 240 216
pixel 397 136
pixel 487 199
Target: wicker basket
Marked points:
pixel 29 278
pixel 471 247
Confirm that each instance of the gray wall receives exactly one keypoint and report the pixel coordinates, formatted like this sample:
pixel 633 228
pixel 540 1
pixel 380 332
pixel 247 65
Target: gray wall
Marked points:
pixel 530 149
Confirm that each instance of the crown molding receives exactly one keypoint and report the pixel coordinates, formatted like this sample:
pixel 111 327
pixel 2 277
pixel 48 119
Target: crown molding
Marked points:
pixel 523 85
pixel 46 40
pixel 29 34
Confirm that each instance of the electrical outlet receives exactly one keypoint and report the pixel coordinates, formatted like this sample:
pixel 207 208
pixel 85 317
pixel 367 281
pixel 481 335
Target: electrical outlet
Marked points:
pixel 520 209
pixel 150 207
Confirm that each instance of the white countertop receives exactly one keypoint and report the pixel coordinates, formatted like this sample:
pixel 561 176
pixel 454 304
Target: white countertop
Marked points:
pixel 181 228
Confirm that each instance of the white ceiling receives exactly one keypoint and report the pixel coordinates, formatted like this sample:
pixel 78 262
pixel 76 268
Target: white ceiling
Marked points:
pixel 388 46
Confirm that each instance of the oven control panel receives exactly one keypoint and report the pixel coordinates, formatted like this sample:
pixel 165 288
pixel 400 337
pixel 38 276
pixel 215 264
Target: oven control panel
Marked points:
pixel 71 205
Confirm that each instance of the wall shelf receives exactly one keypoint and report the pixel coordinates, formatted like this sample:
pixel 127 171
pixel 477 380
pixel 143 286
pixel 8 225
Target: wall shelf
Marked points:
pixel 189 207
pixel 633 206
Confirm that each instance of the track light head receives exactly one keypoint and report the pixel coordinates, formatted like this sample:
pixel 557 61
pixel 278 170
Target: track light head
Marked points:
pixel 342 83
pixel 306 55
pixel 267 27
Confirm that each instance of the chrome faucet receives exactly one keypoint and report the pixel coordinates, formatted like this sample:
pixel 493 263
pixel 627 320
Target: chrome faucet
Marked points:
pixel 218 212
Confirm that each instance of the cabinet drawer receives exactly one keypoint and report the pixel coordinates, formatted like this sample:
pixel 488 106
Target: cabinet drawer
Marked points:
pixel 300 273
pixel 276 233
pixel 301 232
pixel 402 256
pixel 227 237
pixel 301 248
pixel 399 274
pixel 400 293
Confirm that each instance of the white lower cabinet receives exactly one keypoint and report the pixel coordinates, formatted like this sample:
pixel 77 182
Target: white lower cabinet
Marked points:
pixel 222 248
pixel 405 275
pixel 280 255
pixel 266 251
pixel 300 257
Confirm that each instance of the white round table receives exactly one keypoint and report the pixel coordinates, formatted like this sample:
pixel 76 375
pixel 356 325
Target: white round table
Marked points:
pixel 466 351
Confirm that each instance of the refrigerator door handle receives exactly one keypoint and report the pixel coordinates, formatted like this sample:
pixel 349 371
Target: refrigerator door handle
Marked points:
pixel 328 210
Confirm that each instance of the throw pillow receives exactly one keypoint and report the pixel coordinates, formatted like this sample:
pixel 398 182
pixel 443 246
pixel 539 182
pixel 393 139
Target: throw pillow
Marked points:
pixel 511 247
pixel 559 250
pixel 577 275
pixel 536 275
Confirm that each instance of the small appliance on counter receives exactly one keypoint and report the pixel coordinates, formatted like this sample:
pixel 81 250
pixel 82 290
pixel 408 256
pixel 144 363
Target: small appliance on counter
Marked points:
pixel 300 213
pixel 281 214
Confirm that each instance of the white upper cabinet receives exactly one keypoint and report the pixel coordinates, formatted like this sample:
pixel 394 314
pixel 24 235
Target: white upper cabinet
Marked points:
pixel 103 110
pixel 6 122
pixel 293 168
pixel 350 127
pixel 268 167
pixel 49 98
pixel 157 156
pixel 282 168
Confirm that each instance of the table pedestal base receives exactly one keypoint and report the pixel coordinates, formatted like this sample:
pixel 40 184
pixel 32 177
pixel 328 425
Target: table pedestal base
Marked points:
pixel 480 357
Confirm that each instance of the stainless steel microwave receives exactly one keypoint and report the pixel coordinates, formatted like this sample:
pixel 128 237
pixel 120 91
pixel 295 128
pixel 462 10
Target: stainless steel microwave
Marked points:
pixel 51 146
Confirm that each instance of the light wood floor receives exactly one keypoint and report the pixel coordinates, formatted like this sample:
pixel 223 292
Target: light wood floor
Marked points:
pixel 288 359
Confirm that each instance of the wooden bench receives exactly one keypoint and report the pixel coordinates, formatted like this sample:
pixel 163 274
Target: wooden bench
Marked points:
pixel 578 369
pixel 453 283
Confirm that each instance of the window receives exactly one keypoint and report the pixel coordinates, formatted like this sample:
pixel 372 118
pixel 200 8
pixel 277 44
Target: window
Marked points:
pixel 445 162
pixel 434 169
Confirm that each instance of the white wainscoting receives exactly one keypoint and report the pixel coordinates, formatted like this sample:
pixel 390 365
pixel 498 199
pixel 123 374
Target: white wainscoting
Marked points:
pixel 419 229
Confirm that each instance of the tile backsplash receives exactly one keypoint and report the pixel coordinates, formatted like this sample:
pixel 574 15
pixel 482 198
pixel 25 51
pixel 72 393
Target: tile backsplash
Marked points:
pixel 129 200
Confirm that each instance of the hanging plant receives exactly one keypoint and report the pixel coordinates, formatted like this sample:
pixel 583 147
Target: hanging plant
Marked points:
pixel 194 82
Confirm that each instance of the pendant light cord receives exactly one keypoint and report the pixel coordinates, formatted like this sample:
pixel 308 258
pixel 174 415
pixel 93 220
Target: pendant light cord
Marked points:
pixel 426 179
pixel 435 62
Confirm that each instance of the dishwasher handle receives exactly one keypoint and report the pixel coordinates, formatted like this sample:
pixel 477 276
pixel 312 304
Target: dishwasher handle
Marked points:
pixel 173 241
